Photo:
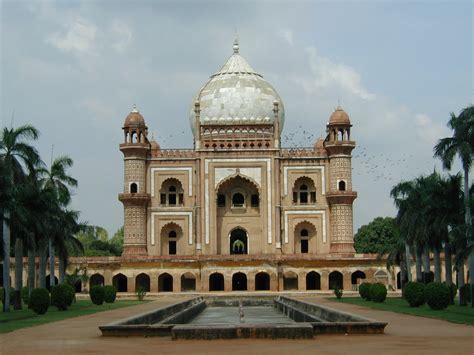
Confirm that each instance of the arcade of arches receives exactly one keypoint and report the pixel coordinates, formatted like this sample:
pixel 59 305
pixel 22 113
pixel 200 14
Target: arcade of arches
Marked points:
pixel 236 280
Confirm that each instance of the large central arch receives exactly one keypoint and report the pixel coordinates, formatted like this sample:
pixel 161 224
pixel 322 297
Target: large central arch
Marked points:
pixel 238 241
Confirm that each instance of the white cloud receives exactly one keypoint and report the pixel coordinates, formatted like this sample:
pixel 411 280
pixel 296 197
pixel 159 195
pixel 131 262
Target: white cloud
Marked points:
pixel 428 130
pixel 121 35
pixel 287 35
pixel 78 37
pixel 328 74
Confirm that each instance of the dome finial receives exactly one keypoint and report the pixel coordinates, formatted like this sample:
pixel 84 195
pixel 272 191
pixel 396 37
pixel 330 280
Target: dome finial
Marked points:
pixel 134 109
pixel 236 44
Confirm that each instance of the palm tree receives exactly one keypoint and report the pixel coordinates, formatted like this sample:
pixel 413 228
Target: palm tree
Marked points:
pixel 14 151
pixel 461 144
pixel 58 182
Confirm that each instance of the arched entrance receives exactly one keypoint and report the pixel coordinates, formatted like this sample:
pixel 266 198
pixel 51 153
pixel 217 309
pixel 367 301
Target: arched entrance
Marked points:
pixel 356 278
pixel 313 281
pixel 188 282
pixel 96 279
pixel 143 281
pixel 290 281
pixel 239 282
pixel 120 282
pixel 165 283
pixel 262 282
pixel 336 280
pixel 216 282
pixel 238 241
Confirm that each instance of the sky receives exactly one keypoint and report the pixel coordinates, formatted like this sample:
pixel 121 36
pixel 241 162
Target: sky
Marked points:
pixel 74 69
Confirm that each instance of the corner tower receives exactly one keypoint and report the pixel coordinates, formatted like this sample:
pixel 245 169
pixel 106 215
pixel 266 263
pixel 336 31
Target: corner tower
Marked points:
pixel 339 146
pixel 134 197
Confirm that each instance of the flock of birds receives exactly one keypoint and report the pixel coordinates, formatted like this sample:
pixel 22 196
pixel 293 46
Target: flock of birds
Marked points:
pixel 367 163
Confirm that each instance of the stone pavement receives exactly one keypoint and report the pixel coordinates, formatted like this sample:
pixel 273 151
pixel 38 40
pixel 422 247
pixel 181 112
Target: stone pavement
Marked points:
pixel 404 334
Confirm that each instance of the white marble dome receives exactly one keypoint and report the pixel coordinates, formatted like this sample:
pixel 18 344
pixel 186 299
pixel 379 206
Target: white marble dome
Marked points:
pixel 237 93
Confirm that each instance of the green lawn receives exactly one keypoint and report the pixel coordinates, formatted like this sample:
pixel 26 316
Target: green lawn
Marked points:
pixel 14 320
pixel 455 313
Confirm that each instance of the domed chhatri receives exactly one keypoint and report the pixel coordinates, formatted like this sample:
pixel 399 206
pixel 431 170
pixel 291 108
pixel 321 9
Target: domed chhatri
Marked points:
pixel 236 93
pixel 134 119
pixel 339 117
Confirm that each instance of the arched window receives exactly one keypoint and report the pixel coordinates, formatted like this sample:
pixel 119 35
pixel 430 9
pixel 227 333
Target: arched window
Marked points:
pixel 133 188
pixel 342 185
pixel 171 193
pixel 304 191
pixel 172 243
pixel 304 242
pixel 238 200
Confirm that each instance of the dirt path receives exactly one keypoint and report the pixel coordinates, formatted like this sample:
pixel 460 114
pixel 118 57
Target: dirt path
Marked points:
pixel 404 334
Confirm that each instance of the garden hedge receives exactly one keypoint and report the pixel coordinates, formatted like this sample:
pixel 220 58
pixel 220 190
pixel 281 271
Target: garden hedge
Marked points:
pixel 437 295
pixel 378 292
pixel 97 294
pixel 364 290
pixel 110 293
pixel 414 293
pixel 39 300
pixel 62 296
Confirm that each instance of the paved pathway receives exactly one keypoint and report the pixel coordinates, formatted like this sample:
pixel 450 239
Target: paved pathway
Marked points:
pixel 404 335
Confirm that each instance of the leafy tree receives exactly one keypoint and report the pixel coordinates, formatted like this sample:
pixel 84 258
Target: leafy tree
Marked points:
pixel 15 154
pixel 461 144
pixel 377 237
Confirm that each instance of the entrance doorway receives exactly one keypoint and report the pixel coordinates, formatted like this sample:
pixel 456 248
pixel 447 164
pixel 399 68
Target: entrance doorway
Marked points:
pixel 238 241
pixel 239 282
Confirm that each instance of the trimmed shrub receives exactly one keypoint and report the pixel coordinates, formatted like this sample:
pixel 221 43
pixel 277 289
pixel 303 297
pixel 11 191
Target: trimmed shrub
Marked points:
pixel 39 300
pixel 141 293
pixel 97 294
pixel 414 293
pixel 62 296
pixel 24 294
pixel 338 292
pixel 110 293
pixel 466 290
pixel 12 294
pixel 364 290
pixel 378 292
pixel 437 295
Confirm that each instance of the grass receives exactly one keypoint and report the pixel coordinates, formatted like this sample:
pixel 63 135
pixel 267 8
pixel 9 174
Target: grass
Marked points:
pixel 24 318
pixel 454 313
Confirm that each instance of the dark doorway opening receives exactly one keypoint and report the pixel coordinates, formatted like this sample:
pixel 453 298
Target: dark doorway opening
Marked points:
pixel 313 281
pixel 290 281
pixel 239 282
pixel 356 276
pixel 216 282
pixel 336 280
pixel 238 241
pixel 165 283
pixel 78 286
pixel 188 282
pixel 262 282
pixel 96 279
pixel 143 281
pixel 120 283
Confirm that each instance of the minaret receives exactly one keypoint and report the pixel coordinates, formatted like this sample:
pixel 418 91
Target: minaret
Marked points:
pixel 340 197
pixel 134 197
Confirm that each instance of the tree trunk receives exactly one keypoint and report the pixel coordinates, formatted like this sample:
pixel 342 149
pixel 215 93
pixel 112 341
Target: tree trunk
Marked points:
pixel 419 275
pixel 426 264
pixel 6 261
pixel 62 269
pixel 42 252
pixel 468 221
pixel 437 265
pixel 448 268
pixel 403 273
pixel 31 269
pixel 51 262
pixel 408 261
pixel 462 296
pixel 18 273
